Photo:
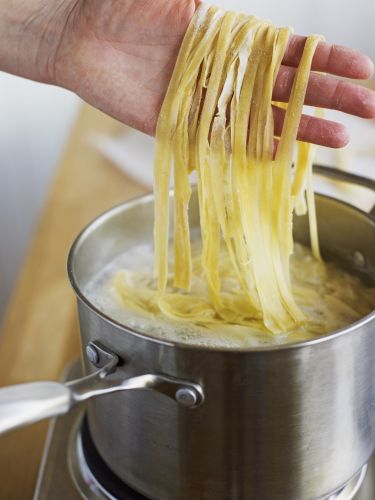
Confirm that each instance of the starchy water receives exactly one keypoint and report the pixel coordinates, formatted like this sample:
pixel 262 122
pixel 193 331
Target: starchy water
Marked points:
pixel 330 297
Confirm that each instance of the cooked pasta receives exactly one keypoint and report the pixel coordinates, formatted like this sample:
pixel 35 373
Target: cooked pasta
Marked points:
pixel 217 120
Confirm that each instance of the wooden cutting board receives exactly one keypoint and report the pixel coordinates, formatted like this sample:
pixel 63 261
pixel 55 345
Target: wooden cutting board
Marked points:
pixel 39 335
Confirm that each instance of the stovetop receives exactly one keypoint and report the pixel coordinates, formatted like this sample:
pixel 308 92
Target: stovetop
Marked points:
pixel 70 460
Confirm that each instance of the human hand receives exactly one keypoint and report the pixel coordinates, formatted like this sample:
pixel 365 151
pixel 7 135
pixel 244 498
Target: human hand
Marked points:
pixel 119 56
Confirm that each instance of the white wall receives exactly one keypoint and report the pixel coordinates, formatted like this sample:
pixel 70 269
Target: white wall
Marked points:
pixel 35 120
pixel 340 21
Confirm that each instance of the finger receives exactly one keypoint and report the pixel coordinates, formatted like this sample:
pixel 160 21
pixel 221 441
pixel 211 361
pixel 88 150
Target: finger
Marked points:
pixel 314 130
pixel 334 59
pixel 328 92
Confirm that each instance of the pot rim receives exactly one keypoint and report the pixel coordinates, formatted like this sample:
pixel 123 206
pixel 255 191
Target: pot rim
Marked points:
pixel 142 199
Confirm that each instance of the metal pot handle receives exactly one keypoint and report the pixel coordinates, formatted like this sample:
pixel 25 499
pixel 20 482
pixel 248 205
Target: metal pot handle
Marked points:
pixel 24 404
pixel 343 176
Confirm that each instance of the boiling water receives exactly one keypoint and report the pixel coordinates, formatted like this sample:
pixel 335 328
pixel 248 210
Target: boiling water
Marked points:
pixel 330 297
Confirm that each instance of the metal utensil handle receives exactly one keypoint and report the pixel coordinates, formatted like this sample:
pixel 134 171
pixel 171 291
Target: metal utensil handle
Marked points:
pixel 343 176
pixel 25 404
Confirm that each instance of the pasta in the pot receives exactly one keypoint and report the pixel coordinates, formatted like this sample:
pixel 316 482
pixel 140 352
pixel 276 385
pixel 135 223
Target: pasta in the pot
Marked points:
pixel 217 119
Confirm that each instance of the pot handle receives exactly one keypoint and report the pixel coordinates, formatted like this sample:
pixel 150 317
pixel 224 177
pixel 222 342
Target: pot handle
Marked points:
pixel 343 176
pixel 25 404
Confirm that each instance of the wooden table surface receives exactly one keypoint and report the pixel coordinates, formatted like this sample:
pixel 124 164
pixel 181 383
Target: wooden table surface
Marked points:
pixel 39 335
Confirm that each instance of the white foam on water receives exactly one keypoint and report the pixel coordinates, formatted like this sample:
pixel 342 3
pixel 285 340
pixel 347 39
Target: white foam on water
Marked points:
pixel 102 295
pixel 328 283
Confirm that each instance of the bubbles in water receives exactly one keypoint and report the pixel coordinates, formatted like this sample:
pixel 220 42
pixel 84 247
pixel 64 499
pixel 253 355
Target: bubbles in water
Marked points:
pixel 338 299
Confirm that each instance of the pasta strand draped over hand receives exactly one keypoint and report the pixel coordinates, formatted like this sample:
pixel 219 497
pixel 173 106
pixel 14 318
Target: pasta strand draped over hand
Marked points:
pixel 217 120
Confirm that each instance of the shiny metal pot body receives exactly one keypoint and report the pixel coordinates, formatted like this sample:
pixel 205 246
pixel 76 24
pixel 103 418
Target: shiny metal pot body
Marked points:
pixel 290 422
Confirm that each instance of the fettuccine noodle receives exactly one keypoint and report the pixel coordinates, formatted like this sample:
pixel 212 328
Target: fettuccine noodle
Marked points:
pixel 217 120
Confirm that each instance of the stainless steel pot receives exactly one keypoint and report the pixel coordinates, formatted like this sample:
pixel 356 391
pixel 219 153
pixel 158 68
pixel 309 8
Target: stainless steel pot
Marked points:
pixel 286 422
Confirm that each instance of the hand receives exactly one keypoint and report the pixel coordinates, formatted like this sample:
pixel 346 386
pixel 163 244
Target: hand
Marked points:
pixel 119 55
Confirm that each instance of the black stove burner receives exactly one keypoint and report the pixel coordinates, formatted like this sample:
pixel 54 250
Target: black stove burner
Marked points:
pixel 102 473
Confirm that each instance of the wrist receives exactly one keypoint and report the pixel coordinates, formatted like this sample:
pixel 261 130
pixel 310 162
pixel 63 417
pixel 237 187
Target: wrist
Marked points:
pixel 30 34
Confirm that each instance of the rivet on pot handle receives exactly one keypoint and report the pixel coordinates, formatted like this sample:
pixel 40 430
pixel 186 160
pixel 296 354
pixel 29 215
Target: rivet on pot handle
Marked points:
pixel 343 176
pixel 24 404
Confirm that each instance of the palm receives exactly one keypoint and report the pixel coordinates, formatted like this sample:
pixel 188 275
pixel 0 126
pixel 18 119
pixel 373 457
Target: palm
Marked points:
pixel 119 55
